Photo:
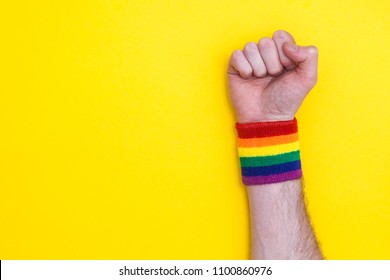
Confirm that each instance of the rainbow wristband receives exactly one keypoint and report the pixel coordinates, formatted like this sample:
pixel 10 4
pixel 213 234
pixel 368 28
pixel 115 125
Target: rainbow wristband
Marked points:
pixel 269 152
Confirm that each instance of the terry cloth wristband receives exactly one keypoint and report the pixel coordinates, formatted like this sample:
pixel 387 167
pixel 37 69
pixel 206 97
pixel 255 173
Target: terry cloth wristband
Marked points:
pixel 269 152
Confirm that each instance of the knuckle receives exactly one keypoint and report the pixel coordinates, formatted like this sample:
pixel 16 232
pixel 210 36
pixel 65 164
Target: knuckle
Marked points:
pixel 265 42
pixel 236 54
pixel 313 50
pixel 250 47
pixel 282 35
pixel 278 33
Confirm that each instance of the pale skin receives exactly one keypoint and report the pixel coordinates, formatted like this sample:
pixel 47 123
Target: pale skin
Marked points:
pixel 268 81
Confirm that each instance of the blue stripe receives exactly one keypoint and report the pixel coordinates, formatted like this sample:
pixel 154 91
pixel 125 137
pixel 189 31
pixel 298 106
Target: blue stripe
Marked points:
pixel 269 170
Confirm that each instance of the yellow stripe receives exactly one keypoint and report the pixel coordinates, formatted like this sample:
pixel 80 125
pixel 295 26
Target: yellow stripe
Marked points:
pixel 268 151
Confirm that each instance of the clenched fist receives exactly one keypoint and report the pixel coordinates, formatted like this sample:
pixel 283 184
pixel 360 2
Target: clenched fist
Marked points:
pixel 268 81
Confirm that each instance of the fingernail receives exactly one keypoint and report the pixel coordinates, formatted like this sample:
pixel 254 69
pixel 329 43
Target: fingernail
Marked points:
pixel 291 47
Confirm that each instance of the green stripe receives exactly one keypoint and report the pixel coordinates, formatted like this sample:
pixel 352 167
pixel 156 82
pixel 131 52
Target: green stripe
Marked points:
pixel 269 160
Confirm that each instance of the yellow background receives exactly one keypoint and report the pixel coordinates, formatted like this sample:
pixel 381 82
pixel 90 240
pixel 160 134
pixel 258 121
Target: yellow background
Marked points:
pixel 117 137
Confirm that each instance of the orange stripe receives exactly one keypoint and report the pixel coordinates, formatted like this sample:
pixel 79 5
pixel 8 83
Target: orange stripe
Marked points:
pixel 267 141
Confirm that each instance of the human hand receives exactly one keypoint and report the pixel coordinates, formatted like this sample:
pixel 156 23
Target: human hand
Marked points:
pixel 268 81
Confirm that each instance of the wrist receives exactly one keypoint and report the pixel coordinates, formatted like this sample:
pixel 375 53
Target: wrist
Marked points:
pixel 263 118
pixel 269 151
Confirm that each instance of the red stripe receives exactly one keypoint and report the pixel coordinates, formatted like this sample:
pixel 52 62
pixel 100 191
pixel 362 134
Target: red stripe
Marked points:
pixel 266 129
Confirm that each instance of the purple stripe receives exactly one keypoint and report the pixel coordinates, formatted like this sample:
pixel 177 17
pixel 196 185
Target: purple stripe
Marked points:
pixel 274 178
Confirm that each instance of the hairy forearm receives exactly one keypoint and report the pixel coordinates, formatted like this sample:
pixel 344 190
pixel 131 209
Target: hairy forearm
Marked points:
pixel 280 226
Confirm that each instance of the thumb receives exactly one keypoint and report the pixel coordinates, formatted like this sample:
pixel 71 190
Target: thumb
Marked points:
pixel 306 59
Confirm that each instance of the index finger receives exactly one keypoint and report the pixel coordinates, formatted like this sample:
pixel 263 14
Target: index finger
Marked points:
pixel 280 37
